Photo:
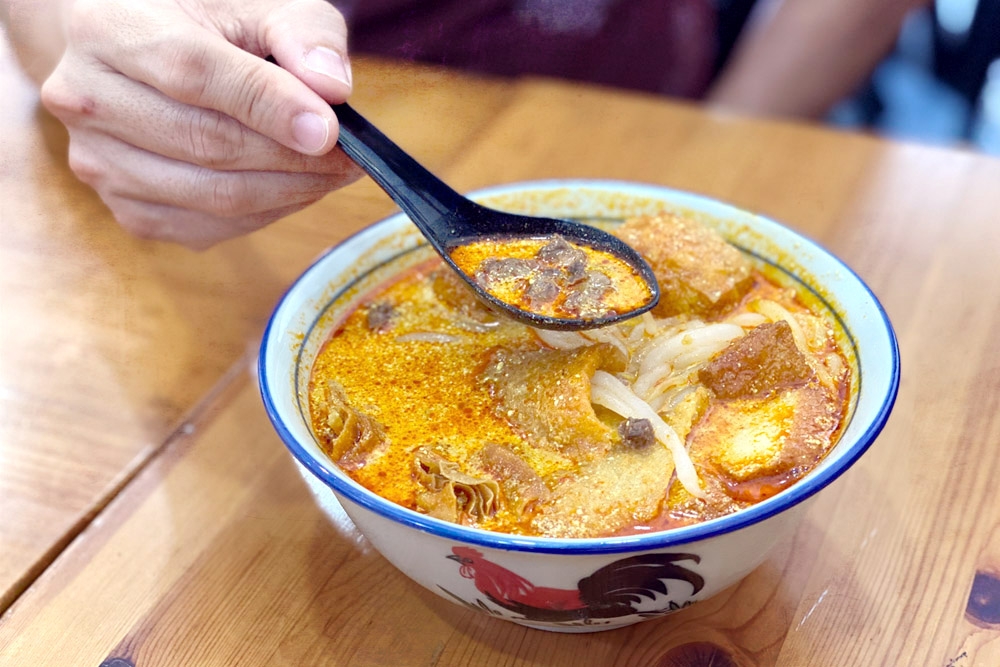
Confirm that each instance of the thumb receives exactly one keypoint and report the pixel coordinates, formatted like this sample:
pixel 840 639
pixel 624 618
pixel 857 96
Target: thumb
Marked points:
pixel 309 39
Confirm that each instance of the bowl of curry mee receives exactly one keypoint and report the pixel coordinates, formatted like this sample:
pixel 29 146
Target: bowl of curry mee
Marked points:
pixel 580 481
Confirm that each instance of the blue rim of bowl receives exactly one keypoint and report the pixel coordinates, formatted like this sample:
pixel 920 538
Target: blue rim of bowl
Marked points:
pixel 797 493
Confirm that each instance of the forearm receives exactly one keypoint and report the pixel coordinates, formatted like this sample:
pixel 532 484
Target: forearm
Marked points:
pixel 802 56
pixel 36 30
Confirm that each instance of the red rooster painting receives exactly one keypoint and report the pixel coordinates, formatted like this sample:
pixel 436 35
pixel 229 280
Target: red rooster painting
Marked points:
pixel 611 591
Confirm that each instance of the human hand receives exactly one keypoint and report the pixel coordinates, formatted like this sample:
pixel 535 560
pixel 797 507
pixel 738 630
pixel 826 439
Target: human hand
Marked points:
pixel 182 127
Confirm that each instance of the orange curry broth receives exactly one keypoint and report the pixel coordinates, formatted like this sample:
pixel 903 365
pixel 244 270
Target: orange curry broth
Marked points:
pixel 629 293
pixel 427 393
pixel 417 393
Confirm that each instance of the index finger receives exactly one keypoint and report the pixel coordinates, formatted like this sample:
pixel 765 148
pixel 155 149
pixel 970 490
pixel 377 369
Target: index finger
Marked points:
pixel 197 66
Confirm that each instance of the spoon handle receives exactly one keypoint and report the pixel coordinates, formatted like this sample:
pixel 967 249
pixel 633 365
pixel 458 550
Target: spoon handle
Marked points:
pixel 423 196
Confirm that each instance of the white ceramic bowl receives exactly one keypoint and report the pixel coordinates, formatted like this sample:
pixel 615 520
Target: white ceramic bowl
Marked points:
pixel 570 577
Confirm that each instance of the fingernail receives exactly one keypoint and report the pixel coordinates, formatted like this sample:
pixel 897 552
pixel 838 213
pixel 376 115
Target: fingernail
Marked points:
pixel 329 63
pixel 310 131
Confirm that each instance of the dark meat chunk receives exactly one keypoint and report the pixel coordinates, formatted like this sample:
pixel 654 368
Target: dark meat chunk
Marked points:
pixel 698 271
pixel 555 280
pixel 379 316
pixel 543 288
pixel 585 298
pixel 636 433
pixel 558 253
pixel 764 360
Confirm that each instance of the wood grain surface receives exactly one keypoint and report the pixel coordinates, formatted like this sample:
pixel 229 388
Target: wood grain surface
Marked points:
pixel 107 340
pixel 206 547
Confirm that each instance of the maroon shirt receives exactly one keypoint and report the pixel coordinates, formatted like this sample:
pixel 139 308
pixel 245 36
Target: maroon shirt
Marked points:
pixel 661 46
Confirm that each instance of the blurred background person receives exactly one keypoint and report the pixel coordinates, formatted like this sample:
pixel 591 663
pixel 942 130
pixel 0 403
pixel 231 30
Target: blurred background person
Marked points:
pixel 772 57
pixel 912 69
pixel 188 134
pixel 941 81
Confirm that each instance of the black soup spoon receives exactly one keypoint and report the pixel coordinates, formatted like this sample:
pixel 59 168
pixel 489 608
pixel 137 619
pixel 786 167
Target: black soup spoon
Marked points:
pixel 449 220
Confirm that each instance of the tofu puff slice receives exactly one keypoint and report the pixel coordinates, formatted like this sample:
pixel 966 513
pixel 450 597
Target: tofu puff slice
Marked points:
pixel 698 271
pixel 545 396
pixel 772 420
pixel 607 485
pixel 760 446
pixel 624 489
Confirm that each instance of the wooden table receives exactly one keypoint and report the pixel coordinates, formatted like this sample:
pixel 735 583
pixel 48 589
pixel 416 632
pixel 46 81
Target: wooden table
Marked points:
pixel 150 516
